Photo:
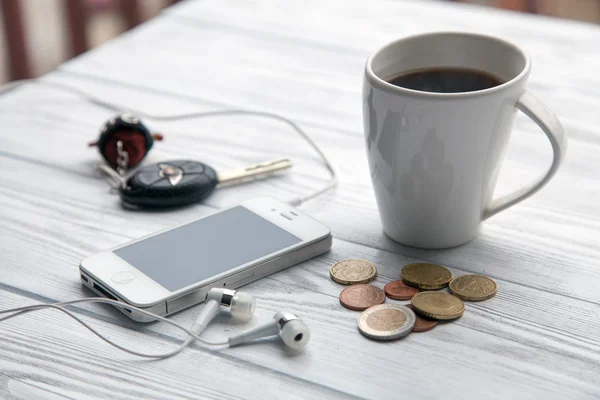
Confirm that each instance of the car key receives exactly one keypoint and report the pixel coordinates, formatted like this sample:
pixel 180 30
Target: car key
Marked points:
pixel 178 183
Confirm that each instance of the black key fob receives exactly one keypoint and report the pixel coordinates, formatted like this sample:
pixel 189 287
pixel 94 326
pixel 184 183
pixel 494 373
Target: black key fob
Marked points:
pixel 168 184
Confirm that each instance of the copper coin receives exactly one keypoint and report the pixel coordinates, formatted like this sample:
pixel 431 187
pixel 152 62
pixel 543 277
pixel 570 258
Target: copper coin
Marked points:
pixel 359 297
pixel 399 290
pixel 423 324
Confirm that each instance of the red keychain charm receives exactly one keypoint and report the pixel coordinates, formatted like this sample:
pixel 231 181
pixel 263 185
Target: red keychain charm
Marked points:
pixel 124 142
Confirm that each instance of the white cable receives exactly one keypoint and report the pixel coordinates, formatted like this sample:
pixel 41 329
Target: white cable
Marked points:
pixel 112 107
pixel 296 202
pixel 60 307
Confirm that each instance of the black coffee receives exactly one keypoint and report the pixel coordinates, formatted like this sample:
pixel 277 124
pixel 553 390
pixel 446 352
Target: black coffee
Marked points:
pixel 446 80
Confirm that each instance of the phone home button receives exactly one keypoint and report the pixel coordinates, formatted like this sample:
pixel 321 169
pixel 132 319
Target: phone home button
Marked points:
pixel 123 277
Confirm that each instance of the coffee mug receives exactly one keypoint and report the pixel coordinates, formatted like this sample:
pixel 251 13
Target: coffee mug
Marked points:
pixel 434 156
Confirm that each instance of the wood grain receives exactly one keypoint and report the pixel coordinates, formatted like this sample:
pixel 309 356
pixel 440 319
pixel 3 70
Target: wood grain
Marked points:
pixel 46 354
pixel 321 306
pixel 527 156
pixel 538 338
pixel 553 261
pixel 556 335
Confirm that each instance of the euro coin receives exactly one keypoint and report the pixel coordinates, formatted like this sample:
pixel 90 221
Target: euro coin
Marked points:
pixel 438 305
pixel 426 276
pixel 350 272
pixel 473 287
pixel 386 322
pixel 360 297
pixel 422 324
pixel 399 290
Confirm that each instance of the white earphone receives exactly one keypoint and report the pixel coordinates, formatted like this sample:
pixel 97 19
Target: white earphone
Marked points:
pixel 241 305
pixel 289 327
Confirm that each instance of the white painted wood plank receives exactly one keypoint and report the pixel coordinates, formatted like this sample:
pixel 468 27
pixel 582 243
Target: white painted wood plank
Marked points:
pixel 557 199
pixel 552 317
pixel 345 24
pixel 578 120
pixel 537 338
pixel 355 27
pixel 554 345
pixel 261 68
pixel 58 236
pixel 46 356
pixel 546 242
pixel 553 336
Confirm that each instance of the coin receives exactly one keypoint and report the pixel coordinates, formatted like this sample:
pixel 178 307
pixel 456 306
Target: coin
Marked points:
pixel 473 287
pixel 349 272
pixel 422 324
pixel 360 297
pixel 399 290
pixel 426 276
pixel 386 322
pixel 438 305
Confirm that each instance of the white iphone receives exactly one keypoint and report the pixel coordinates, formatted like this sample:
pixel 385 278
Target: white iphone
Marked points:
pixel 174 269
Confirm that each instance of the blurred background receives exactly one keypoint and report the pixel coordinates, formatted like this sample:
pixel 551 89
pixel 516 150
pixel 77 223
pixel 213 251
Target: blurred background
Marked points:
pixel 38 35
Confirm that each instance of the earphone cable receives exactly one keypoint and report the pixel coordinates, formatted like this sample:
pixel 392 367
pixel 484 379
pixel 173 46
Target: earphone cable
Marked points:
pixel 61 307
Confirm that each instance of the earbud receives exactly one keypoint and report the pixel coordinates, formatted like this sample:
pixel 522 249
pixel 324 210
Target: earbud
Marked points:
pixel 239 305
pixel 289 327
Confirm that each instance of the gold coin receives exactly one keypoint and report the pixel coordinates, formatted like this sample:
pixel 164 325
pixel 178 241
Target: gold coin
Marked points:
pixel 426 276
pixel 349 272
pixel 438 305
pixel 473 287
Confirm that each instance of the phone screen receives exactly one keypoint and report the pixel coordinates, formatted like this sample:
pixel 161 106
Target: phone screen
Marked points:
pixel 207 247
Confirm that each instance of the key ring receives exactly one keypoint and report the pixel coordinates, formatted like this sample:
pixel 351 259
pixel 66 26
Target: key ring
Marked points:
pixel 122 158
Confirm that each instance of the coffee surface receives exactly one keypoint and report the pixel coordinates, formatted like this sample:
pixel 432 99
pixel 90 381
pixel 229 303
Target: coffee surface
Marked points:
pixel 446 80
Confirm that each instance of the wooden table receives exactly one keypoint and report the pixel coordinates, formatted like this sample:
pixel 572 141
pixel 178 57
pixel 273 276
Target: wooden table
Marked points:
pixel 538 338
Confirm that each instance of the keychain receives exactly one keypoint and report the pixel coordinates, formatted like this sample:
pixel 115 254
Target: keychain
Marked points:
pixel 124 142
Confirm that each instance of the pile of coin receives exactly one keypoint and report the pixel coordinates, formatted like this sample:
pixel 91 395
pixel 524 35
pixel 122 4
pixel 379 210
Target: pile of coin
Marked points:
pixel 386 321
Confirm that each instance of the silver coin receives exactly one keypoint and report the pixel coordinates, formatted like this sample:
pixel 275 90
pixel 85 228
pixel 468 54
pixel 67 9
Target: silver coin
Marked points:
pixel 386 322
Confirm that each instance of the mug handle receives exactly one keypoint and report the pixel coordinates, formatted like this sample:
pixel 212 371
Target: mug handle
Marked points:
pixel 541 115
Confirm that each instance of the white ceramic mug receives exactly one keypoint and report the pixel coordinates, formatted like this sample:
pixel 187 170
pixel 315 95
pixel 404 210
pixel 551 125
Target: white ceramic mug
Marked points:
pixel 435 157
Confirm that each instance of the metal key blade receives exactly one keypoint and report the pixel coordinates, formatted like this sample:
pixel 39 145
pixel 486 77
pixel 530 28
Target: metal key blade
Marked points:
pixel 252 172
pixel 112 177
